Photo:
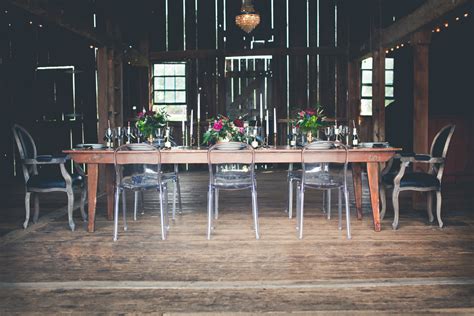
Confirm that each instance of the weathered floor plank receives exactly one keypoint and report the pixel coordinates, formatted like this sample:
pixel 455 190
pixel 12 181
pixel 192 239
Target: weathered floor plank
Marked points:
pixel 418 268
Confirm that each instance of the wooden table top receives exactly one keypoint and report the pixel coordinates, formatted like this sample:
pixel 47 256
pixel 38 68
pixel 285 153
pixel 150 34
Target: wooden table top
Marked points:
pixel 274 154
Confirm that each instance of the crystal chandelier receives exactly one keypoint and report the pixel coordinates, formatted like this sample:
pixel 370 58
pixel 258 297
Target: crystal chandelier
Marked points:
pixel 248 19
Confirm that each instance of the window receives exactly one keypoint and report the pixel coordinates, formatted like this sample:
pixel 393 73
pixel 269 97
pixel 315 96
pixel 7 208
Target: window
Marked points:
pixel 169 89
pixel 366 85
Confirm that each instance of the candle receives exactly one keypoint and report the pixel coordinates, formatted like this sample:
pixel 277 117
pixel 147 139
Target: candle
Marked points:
pixel 108 123
pixel 261 108
pixel 191 125
pixel 267 125
pixel 199 108
pixel 274 121
pixel 182 126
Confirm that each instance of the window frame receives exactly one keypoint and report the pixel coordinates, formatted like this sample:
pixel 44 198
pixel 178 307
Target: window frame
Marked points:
pixel 164 104
pixel 369 69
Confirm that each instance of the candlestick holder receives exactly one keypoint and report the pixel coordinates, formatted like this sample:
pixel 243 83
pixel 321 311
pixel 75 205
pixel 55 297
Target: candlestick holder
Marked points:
pixel 275 139
pixel 265 142
pixel 198 134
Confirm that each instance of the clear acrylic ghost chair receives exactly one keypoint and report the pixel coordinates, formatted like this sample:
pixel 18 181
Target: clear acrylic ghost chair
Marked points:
pixel 138 171
pixel 43 181
pixel 429 182
pixel 318 161
pixel 231 167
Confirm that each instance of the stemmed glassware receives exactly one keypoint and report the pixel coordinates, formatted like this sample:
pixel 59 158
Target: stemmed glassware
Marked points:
pixel 119 133
pixel 344 130
pixel 139 134
pixel 109 137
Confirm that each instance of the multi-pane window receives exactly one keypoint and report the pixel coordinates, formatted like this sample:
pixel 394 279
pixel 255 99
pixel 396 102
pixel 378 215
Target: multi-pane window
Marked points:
pixel 169 89
pixel 366 85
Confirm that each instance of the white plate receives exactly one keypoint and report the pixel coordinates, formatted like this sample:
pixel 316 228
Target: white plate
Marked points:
pixel 322 146
pixel 93 146
pixel 139 147
pixel 374 144
pixel 230 146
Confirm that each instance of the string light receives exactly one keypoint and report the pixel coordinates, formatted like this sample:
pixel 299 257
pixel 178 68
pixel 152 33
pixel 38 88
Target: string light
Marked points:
pixel 466 15
pixel 446 24
pixel 457 18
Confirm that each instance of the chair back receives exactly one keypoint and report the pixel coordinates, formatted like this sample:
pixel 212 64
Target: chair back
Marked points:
pixel 137 165
pixel 439 149
pixel 26 148
pixel 232 158
pixel 318 159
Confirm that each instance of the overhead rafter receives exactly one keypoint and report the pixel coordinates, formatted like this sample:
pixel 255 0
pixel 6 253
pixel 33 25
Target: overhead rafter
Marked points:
pixel 426 14
pixel 205 53
pixel 56 19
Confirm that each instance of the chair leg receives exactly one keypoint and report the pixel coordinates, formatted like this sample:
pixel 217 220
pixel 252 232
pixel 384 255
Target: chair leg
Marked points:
pixel 162 213
pixel 178 186
pixel 135 204
pixel 301 215
pixel 36 214
pixel 329 203
pixel 429 208
pixel 383 201
pixel 175 190
pixel 83 203
pixel 298 203
pixel 216 203
pixel 27 209
pixel 395 194
pixel 167 215
pixel 255 213
pixel 348 213
pixel 209 212
pixel 324 202
pixel 290 198
pixel 70 207
pixel 142 202
pixel 438 208
pixel 339 209
pixel 124 210
pixel 116 211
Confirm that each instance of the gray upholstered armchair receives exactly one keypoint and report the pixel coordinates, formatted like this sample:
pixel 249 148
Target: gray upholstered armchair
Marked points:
pixel 429 181
pixel 40 182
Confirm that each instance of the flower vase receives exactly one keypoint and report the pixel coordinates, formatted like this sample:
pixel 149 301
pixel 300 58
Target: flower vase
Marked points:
pixel 309 137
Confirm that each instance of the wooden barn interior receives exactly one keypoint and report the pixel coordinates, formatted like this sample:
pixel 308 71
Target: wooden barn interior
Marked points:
pixel 399 71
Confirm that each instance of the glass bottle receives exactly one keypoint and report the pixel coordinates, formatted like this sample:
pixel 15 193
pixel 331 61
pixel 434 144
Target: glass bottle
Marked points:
pixel 355 137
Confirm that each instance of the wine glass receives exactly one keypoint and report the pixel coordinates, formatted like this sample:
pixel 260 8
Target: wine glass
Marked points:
pixel 344 130
pixel 119 133
pixel 109 137
pixel 139 134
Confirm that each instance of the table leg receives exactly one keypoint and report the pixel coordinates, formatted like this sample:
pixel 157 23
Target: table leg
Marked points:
pixel 109 188
pixel 373 175
pixel 357 181
pixel 92 177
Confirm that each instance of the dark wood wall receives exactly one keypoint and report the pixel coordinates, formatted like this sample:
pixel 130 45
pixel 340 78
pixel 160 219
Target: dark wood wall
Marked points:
pixel 317 64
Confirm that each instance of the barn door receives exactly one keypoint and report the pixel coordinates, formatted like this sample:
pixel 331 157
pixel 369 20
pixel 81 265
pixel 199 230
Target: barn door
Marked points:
pixel 248 86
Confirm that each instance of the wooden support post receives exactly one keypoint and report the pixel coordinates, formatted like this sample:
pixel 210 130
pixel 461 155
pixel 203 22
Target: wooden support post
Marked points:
pixel 353 91
pixel 420 42
pixel 378 94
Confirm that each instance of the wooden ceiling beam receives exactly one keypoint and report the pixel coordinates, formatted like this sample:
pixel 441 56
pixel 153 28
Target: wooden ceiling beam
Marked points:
pixel 206 53
pixel 48 16
pixel 401 30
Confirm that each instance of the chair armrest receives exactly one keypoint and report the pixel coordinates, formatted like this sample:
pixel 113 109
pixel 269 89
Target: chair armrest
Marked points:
pixel 422 159
pixel 45 161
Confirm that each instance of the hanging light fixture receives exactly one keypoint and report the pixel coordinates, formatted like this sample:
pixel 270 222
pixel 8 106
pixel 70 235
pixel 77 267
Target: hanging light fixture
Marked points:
pixel 248 19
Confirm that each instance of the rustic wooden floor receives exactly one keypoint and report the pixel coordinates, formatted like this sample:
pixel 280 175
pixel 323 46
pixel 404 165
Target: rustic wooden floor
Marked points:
pixel 419 268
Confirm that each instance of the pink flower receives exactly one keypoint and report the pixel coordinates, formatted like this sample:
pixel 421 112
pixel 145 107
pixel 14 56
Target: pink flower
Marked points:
pixel 241 130
pixel 217 125
pixel 302 113
pixel 310 111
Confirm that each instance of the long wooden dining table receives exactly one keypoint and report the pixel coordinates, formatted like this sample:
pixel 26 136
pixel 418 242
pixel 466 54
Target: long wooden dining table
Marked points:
pixel 278 154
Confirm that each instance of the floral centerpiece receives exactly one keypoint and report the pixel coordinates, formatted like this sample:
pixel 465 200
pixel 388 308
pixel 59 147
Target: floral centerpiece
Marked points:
pixel 225 129
pixel 149 121
pixel 310 120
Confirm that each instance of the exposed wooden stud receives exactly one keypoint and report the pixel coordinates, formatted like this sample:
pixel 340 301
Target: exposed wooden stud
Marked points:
pixel 378 94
